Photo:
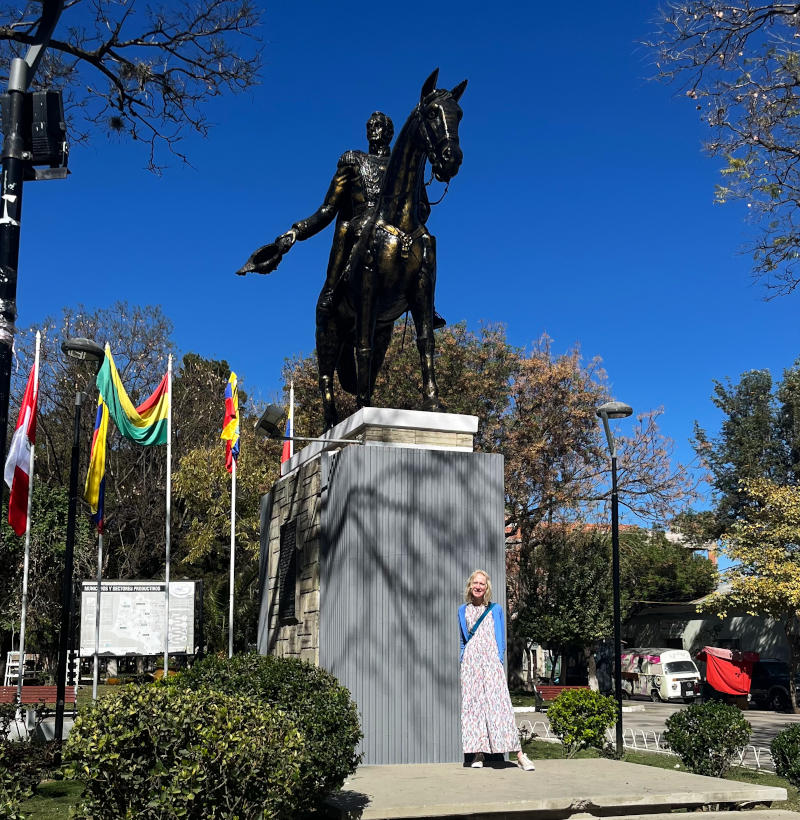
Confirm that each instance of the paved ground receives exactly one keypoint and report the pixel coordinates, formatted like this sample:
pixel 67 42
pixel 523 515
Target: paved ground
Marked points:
pixel 558 788
pixel 654 715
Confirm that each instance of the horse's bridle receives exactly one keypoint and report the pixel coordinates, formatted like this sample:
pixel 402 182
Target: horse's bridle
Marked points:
pixel 433 148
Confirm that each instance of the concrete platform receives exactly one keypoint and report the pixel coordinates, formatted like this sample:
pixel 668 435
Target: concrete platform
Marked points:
pixel 389 427
pixel 557 790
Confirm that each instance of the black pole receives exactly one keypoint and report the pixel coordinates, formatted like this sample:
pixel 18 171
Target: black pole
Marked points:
pixel 14 159
pixel 66 578
pixel 13 165
pixel 617 608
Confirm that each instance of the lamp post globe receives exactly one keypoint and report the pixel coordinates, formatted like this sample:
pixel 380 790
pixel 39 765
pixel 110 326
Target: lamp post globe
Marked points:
pixel 85 350
pixel 269 423
pixel 614 410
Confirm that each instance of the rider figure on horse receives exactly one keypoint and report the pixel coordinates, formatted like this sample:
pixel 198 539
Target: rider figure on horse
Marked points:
pixel 352 197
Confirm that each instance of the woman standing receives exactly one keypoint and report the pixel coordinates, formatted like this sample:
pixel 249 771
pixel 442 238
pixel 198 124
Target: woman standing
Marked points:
pixel 487 718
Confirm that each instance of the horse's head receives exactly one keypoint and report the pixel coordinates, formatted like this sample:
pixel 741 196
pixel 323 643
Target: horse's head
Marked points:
pixel 439 115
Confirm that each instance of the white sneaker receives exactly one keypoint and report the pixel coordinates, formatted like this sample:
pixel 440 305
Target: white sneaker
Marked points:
pixel 477 761
pixel 525 763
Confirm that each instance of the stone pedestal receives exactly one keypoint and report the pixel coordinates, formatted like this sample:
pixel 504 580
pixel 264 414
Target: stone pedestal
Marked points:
pixel 366 548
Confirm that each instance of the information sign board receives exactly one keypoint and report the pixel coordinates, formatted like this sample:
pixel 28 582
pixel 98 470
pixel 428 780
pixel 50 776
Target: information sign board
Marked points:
pixel 132 617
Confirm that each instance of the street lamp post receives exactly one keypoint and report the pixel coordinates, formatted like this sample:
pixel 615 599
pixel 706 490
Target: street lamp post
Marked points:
pixel 84 350
pixel 615 410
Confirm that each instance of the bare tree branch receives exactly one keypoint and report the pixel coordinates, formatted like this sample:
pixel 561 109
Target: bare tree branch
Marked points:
pixel 739 63
pixel 142 72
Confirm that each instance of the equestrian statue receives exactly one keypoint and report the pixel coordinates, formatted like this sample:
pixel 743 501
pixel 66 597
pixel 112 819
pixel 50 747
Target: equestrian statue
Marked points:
pixel 383 259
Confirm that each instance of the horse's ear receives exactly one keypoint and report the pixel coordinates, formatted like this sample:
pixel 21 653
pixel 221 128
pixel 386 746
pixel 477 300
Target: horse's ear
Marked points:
pixel 429 84
pixel 458 90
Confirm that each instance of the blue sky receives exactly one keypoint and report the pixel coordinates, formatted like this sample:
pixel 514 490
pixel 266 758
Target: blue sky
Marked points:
pixel 584 206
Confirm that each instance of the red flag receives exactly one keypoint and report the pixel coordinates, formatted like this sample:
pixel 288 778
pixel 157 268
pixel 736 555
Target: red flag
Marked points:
pixel 286 452
pixel 19 458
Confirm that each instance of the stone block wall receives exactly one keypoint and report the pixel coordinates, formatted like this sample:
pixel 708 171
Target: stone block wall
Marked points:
pixel 294 498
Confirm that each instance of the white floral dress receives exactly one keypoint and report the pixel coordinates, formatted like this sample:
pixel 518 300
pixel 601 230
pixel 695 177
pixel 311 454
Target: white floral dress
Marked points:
pixel 487 717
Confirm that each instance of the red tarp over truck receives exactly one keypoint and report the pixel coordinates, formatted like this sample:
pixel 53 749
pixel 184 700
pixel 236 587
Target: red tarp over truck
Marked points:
pixel 728 670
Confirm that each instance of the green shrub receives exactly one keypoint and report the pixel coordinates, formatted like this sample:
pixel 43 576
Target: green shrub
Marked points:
pixel 315 700
pixel 580 717
pixel 159 752
pixel 22 765
pixel 12 790
pixel 785 748
pixel 707 736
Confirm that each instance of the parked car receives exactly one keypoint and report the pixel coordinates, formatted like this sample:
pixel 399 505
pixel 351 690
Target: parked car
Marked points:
pixel 660 674
pixel 770 685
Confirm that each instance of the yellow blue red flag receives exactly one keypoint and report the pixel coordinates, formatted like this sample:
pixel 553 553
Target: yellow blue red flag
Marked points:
pixel 286 453
pixel 230 426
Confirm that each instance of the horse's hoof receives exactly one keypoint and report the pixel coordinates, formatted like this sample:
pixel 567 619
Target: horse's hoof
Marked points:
pixel 432 406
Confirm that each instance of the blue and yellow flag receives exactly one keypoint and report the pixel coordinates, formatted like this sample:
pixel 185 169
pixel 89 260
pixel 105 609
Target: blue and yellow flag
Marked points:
pixel 95 489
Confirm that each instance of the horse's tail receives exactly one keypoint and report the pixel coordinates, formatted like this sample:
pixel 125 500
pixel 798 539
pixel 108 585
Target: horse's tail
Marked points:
pixel 346 368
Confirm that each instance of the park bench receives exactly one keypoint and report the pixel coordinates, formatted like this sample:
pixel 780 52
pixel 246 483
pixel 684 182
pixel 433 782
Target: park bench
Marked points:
pixel 552 691
pixel 39 695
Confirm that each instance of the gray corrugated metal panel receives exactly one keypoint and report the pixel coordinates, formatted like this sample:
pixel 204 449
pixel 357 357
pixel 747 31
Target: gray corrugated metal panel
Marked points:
pixel 262 638
pixel 402 530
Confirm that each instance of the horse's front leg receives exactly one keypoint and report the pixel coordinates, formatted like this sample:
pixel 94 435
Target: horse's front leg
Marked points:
pixel 421 303
pixel 365 328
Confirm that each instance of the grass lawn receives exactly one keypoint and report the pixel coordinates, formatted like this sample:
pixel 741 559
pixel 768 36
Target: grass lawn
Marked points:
pixel 85 693
pixel 55 798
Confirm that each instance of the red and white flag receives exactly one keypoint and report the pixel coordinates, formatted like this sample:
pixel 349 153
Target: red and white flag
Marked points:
pixel 18 463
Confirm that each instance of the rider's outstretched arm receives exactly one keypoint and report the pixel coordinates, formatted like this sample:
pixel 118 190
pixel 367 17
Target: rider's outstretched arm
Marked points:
pixel 337 191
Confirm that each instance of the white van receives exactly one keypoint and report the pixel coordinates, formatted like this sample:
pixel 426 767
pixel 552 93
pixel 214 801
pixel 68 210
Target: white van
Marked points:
pixel 660 674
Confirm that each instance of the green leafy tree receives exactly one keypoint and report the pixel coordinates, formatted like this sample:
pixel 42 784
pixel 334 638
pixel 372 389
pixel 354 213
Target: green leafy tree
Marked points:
pixel 140 340
pixel 203 493
pixel 738 65
pixel 657 569
pixel 764 578
pixel 759 438
pixel 560 591
pixel 560 586
pixel 46 562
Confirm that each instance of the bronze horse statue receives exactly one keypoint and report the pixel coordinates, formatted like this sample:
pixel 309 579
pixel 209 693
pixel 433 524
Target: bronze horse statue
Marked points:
pixel 392 267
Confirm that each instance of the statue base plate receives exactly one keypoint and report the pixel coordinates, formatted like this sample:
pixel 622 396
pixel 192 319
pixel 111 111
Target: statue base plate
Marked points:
pixel 389 427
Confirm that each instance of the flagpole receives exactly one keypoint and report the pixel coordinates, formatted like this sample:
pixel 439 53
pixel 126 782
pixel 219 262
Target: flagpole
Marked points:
pixel 169 513
pixel 26 561
pixel 96 669
pixel 291 416
pixel 233 558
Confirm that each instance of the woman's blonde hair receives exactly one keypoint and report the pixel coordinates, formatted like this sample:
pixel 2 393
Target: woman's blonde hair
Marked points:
pixel 487 596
